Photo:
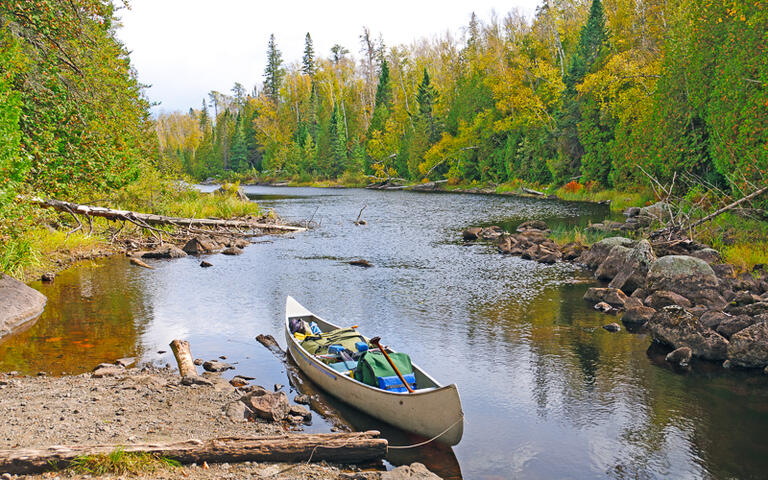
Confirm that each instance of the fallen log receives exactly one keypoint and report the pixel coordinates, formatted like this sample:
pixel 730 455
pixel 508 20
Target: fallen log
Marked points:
pixel 532 192
pixel 183 356
pixel 331 447
pixel 153 219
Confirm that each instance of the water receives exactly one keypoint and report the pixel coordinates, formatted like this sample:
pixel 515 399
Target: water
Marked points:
pixel 547 393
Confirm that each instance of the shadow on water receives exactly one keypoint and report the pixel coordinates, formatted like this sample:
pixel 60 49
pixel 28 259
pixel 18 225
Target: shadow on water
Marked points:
pixel 546 392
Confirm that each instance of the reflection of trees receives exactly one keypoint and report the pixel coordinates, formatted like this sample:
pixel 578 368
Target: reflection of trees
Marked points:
pixel 642 420
pixel 90 318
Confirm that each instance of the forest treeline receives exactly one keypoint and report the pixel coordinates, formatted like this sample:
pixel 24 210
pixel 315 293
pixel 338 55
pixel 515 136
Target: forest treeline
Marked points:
pixel 610 93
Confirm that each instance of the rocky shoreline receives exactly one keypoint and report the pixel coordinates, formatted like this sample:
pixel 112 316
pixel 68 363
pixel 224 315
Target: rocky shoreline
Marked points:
pixel 676 289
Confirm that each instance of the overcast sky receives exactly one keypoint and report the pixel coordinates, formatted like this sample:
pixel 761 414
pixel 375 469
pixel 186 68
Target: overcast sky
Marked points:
pixel 186 48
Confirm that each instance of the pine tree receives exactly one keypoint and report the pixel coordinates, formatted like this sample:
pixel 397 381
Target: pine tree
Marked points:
pixel 384 90
pixel 426 96
pixel 274 72
pixel 338 140
pixel 308 61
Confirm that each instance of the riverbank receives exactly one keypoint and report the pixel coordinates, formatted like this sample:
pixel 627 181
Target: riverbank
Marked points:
pixel 127 406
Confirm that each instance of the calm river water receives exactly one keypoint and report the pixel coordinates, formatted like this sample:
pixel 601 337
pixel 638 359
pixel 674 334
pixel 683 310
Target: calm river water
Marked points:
pixel 547 393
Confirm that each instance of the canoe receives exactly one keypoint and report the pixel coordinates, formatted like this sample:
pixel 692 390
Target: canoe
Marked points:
pixel 432 411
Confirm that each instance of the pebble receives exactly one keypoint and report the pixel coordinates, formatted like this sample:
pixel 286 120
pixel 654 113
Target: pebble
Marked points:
pixel 278 387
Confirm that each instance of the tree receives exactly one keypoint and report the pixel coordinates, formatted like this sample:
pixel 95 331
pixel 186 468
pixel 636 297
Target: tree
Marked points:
pixel 338 138
pixel 308 60
pixel 274 71
pixel 337 53
pixel 426 96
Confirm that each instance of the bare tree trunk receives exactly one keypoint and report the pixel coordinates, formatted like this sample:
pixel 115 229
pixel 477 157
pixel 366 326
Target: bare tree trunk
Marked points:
pixel 331 447
pixel 183 356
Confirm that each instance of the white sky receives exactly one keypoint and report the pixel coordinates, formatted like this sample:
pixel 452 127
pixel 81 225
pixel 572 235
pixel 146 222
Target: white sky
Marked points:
pixel 186 48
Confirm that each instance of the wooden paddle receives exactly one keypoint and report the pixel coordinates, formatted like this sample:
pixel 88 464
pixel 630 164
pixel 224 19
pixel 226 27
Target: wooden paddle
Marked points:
pixel 375 341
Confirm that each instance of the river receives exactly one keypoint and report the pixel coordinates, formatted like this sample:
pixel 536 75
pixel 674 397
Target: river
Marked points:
pixel 547 393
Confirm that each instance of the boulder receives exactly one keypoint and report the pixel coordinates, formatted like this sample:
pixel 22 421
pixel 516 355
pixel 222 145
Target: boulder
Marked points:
pixel 605 308
pixel 598 252
pixel 680 356
pixel 471 234
pixel 533 225
pixel 631 274
pixel 571 251
pixel 744 297
pixel 753 309
pixel 612 296
pixel 713 318
pixel 414 471
pixel 637 315
pixel 200 245
pixel 236 411
pixel 690 277
pixel 610 267
pixel 724 270
pixel 640 293
pixel 664 298
pixel 490 233
pixel 676 327
pixel 303 399
pixel 299 411
pixel 732 325
pixel 217 366
pixel 232 251
pixel 709 255
pixel 18 304
pixel 658 212
pixel 166 251
pixel 633 302
pixel 749 347
pixel 273 406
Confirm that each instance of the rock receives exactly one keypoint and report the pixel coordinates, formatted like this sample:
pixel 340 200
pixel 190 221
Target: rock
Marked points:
pixel 658 212
pixel 217 366
pixel 610 267
pixel 605 308
pixel 48 277
pixel 598 252
pixel 299 411
pixel 753 309
pixel 744 297
pixel 268 405
pixel 107 370
pixel 490 233
pixel 549 258
pixel 680 356
pixel 611 296
pixel 18 304
pixel 205 264
pixel 196 380
pixel 631 274
pixel 633 302
pixel 727 364
pixel 235 192
pixel 637 315
pixel 278 387
pixel 675 326
pixel 236 411
pixel 749 347
pixel 240 243
pixel 533 225
pixel 690 277
pixel 732 325
pixel 663 298
pixel 640 294
pixel 612 327
pixel 631 212
pixel 200 245
pixel 125 362
pixel 724 270
pixel 470 234
pixel 303 399
pixel 709 255
pixel 713 318
pixel 572 251
pixel 414 471
pixel 166 251
pixel 198 361
pixel 361 263
pixel 232 251
pixel 238 382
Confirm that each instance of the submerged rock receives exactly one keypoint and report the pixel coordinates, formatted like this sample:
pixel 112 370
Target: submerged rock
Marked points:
pixel 472 233
pixel 166 251
pixel 217 366
pixel 680 356
pixel 611 296
pixel 612 327
pixel 637 315
pixel 232 251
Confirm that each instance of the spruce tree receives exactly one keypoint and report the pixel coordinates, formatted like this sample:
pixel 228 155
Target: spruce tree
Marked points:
pixel 274 72
pixel 384 90
pixel 338 141
pixel 426 96
pixel 308 61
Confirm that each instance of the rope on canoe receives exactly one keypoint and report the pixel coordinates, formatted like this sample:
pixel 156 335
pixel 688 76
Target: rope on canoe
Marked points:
pixel 416 445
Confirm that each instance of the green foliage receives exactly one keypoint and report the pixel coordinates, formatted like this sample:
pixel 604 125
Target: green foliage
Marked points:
pixel 308 60
pixel 273 72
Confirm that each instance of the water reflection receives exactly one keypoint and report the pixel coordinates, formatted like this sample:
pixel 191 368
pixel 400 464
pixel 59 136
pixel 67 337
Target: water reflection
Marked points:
pixel 547 393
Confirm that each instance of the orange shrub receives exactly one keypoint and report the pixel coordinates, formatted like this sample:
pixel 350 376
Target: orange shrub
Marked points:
pixel 573 186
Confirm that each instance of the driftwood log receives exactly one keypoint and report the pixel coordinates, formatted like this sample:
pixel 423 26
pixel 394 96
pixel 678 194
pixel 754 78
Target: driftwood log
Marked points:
pixel 183 356
pixel 332 447
pixel 152 219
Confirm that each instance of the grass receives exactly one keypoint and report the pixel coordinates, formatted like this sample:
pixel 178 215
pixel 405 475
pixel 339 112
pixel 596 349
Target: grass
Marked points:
pixel 563 234
pixel 120 462
pixel 620 200
pixel 741 241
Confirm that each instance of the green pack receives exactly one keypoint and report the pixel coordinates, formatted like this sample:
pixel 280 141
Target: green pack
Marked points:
pixel 346 337
pixel 373 365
